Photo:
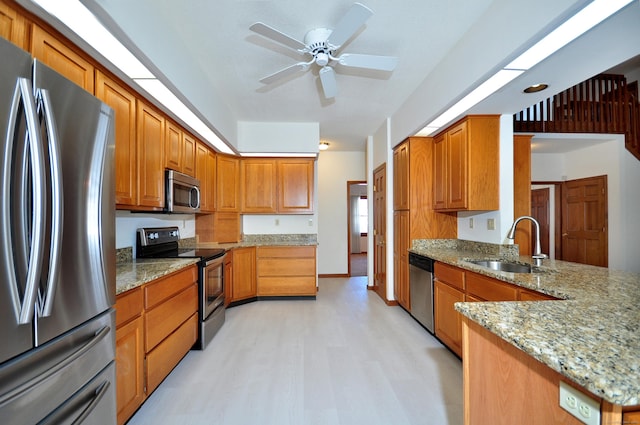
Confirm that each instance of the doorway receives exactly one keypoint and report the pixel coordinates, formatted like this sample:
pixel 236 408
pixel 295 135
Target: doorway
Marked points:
pixel 357 227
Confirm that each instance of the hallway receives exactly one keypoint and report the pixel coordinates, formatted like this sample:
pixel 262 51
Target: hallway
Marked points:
pixel 346 358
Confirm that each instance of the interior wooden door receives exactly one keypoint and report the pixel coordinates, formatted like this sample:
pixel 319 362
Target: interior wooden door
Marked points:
pixel 380 231
pixel 584 221
pixel 540 210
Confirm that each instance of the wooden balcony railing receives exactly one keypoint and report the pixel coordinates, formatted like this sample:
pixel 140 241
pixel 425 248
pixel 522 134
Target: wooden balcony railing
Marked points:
pixel 602 104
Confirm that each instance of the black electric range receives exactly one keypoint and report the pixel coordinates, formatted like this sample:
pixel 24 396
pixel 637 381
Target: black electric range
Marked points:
pixel 162 242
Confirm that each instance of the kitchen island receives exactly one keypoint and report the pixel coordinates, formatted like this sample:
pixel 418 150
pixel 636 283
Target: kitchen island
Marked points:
pixel 590 336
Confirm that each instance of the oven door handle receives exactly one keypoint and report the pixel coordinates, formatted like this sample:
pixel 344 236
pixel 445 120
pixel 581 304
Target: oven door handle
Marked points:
pixel 214 260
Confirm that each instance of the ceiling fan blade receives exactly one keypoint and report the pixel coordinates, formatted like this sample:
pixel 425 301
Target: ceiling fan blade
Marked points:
pixel 328 80
pixel 348 25
pixel 275 35
pixel 290 70
pixel 382 63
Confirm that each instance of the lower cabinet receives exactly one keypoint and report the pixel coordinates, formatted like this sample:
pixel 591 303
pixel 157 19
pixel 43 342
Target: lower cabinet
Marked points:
pixel 286 270
pixel 243 281
pixel 156 325
pixel 448 322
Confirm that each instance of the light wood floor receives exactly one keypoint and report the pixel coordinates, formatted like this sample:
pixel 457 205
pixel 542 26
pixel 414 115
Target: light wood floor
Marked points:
pixel 345 358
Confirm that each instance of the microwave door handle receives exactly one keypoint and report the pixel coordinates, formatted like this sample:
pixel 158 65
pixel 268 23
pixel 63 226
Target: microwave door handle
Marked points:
pixel 57 208
pixel 197 189
pixel 24 310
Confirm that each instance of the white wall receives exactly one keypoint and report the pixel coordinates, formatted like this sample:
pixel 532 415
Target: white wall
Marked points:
pixel 609 158
pixel 127 223
pixel 334 170
pixel 278 137
pixel 503 218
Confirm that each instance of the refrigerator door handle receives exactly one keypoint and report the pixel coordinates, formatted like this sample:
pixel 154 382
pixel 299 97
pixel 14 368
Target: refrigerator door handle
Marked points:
pixel 57 208
pixel 23 94
pixel 99 394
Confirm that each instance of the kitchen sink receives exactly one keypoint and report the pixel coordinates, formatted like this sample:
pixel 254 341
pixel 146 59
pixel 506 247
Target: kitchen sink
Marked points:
pixel 504 266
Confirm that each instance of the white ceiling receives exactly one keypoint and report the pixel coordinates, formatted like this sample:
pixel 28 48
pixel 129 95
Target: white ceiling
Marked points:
pixel 205 50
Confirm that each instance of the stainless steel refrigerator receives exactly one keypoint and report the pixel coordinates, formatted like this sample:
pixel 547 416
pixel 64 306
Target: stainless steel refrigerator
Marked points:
pixel 57 248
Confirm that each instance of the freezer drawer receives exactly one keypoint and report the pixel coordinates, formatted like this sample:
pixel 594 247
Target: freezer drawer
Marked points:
pixel 34 385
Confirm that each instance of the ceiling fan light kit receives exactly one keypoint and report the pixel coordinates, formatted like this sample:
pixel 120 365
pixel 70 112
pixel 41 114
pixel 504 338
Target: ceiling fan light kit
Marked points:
pixel 322 44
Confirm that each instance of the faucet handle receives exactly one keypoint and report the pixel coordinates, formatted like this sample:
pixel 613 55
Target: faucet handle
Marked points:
pixel 537 259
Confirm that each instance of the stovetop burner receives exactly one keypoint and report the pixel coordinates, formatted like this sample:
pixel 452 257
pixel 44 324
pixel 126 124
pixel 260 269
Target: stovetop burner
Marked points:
pixel 162 242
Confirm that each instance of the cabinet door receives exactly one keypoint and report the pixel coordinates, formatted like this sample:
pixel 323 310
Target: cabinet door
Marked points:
pixel 440 172
pixel 258 182
pixel 457 167
pixel 150 134
pixel 447 320
pixel 244 273
pixel 295 185
pixel 400 258
pixel 14 27
pixel 489 289
pixel 228 183
pixel 188 154
pixel 62 58
pixel 401 177
pixel 123 103
pixel 129 368
pixel 173 146
pixel 228 277
pixel 206 172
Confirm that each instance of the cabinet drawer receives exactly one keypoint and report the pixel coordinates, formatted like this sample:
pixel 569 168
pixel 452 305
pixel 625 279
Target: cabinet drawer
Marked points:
pixel 169 353
pixel 490 289
pixel 526 295
pixel 286 267
pixel 166 287
pixel 450 275
pixel 286 251
pixel 128 305
pixel 166 317
pixel 282 286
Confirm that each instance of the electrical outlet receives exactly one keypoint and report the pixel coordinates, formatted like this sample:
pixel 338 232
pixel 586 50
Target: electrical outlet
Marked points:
pixel 471 223
pixel 277 222
pixel 581 406
pixel 310 222
pixel 491 224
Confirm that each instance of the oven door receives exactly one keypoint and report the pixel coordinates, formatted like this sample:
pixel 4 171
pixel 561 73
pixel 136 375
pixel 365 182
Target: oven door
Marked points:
pixel 212 281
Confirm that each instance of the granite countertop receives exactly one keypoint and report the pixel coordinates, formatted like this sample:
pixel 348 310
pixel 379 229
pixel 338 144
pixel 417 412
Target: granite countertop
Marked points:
pixel 591 336
pixel 133 272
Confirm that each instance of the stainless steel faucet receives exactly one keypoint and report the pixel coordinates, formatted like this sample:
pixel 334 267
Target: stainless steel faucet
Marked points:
pixel 537 256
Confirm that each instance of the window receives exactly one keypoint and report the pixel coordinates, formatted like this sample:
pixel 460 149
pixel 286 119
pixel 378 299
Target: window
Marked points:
pixel 363 212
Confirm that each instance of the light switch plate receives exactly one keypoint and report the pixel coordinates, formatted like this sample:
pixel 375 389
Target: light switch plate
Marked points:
pixel 584 408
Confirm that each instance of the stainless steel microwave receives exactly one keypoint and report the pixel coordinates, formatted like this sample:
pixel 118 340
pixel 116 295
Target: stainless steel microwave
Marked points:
pixel 182 193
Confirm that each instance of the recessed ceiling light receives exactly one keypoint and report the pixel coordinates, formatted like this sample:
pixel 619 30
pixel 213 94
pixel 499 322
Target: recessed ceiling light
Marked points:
pixel 323 146
pixel 535 88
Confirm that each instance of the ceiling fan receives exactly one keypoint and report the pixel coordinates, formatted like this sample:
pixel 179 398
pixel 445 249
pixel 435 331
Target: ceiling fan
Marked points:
pixel 322 44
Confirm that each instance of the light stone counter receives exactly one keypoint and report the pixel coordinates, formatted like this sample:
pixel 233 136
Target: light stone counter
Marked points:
pixel 592 336
pixel 134 273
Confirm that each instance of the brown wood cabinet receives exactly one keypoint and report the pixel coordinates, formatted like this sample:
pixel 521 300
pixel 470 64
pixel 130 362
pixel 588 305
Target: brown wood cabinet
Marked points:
pixel 244 274
pixel 173 144
pixel 286 270
pixel 466 165
pixel 68 61
pixel 414 217
pixel 130 383
pixel 259 182
pixel 449 288
pixel 123 102
pixel 150 137
pixel 227 183
pixel 206 173
pixel 401 245
pixel 487 289
pixel 14 26
pixel 277 186
pixel 189 154
pixel 171 322
pixel 228 277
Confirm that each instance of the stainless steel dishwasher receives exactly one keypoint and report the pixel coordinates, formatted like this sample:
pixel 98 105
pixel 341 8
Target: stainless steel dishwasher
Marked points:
pixel 421 289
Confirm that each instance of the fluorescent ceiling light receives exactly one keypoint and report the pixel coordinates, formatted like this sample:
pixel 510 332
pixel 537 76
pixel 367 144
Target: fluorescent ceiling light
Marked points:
pixel 165 96
pixel 578 24
pixel 279 154
pixel 78 18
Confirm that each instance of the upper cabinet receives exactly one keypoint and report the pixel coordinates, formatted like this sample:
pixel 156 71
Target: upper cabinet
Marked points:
pixel 151 133
pixel 277 186
pixel 179 149
pixel 188 154
pixel 123 102
pixel 206 173
pixel 401 177
pixel 466 165
pixel 295 185
pixel 62 58
pixel 14 27
pixel 228 183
